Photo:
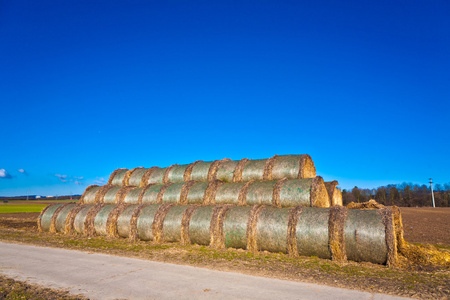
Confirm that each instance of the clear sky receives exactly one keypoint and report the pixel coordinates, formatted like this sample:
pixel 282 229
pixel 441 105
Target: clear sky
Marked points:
pixel 90 86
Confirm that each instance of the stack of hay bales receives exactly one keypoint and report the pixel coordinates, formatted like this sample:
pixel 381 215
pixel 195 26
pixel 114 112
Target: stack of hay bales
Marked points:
pixel 276 204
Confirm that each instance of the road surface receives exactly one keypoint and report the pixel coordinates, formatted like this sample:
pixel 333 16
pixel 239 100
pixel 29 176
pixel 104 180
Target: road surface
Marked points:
pixel 100 276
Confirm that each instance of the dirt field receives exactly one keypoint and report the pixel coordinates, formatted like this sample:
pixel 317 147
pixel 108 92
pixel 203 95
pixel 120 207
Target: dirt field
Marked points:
pixel 426 225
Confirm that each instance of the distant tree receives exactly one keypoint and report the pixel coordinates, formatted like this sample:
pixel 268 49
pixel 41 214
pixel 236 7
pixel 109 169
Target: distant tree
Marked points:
pixel 356 194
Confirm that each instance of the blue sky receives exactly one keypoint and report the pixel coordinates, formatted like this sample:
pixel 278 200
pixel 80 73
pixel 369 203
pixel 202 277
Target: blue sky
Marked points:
pixel 90 86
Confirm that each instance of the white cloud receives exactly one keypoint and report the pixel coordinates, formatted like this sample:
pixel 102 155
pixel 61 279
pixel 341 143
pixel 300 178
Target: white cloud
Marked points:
pixel 100 181
pixel 21 170
pixel 5 174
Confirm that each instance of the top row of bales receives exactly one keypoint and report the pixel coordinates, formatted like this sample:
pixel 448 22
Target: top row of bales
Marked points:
pixel 226 170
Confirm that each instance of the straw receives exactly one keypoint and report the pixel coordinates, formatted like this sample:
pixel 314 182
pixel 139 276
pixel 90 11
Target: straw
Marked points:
pixel 89 193
pixel 123 221
pixel 185 190
pixel 200 231
pixel 172 224
pixel 185 224
pixel 69 225
pixel 212 172
pixel 60 221
pixel 237 176
pixel 146 219
pixel 294 215
pixel 145 178
pixel 211 191
pixel 101 219
pixel 176 173
pixel 112 178
pixel 80 219
pixel 334 194
pixel 45 217
pixel 225 171
pixel 150 194
pixel 157 225
pixel 253 170
pixel 55 216
pixel 135 177
pixel 272 229
pixel 337 219
pixel 251 227
pixel 89 229
pixel 188 172
pixel 166 178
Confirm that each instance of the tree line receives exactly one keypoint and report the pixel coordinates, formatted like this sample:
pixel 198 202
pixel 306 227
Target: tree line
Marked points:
pixel 405 194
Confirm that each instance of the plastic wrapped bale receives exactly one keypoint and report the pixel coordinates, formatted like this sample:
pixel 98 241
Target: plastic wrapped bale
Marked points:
pixel 89 194
pixel 369 236
pixel 146 176
pixel 176 173
pixel 101 219
pixel 111 222
pixel 307 192
pixel 61 217
pixel 226 170
pixel 272 229
pixel 158 222
pixel 133 195
pixel 173 193
pixel 150 194
pixel 292 167
pixel 235 227
pixel 334 194
pixel 172 224
pixel 312 232
pixel 200 226
pixel 70 220
pixel 256 169
pixel 124 221
pixel 144 222
pixel 196 194
pixel 134 177
pixel 45 217
pixel 117 177
pixel 260 192
pixel 231 193
pixel 200 171
pixel 109 194
pixel 157 176
pixel 80 219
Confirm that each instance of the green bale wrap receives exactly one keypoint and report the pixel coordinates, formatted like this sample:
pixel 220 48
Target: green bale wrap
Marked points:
pixel 60 223
pixel 235 227
pixel 89 195
pixel 200 225
pixel 145 221
pixel 200 171
pixel 292 167
pixel 272 229
pixel 312 232
pixel 225 171
pixel 229 193
pixel 110 195
pixel 196 194
pixel 254 170
pixel 136 176
pixel 124 221
pixel 80 220
pixel 260 192
pixel 173 193
pixel 157 176
pixel 133 195
pixel 150 195
pixel 172 224
pixel 101 219
pixel 176 173
pixel 365 236
pixel 117 177
pixel 45 218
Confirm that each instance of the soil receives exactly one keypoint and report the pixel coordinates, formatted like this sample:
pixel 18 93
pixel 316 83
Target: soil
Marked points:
pixel 426 225
pixel 422 225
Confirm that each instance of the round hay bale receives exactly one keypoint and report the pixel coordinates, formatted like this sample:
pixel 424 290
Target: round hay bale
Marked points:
pixel 158 222
pixel 216 227
pixel 235 227
pixel 251 227
pixel 176 173
pixel 390 237
pixel 211 191
pixel 365 236
pixel 371 204
pixel 185 191
pixel 166 179
pixel 237 176
pixel 124 221
pixel 145 221
pixel 100 195
pixel 80 219
pixel 135 176
pixel 156 176
pixel 53 220
pixel 121 194
pixel 398 227
pixel 196 193
pixel 188 172
pixel 253 170
pixel 111 222
pixel 146 176
pixel 89 194
pixel 200 171
pixel 185 223
pixel 133 195
pixel 150 194
pixel 109 194
pixel 294 214
pixel 334 194
pixel 292 167
pixel 89 222
pixel 117 177
pixel 272 229
pixel 45 218
pixel 69 225
pixel 228 193
pixel 260 192
pixel 312 232
pixel 60 221
pixel 173 193
pixel 336 223
pixel 200 230
pixel 225 171
pixel 162 191
pixel 306 192
pixel 212 173
pixel 101 219
pixel 172 223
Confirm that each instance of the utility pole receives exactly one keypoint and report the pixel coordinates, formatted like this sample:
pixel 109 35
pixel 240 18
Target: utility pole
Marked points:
pixel 432 195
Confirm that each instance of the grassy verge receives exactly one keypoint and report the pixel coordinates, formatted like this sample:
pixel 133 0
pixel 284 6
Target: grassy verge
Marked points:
pixel 424 282
pixel 21 208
